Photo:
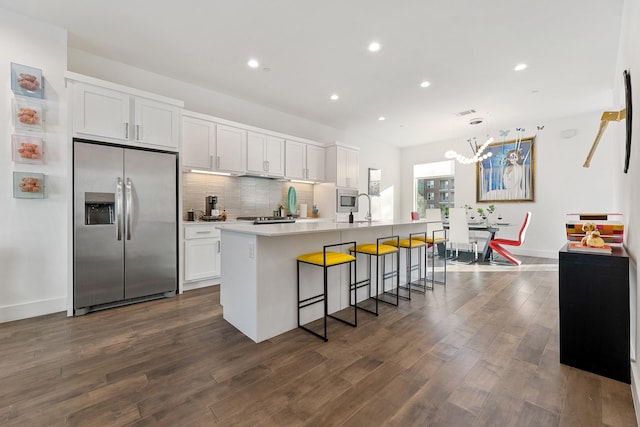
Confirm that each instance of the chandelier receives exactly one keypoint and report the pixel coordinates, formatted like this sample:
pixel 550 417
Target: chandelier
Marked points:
pixel 478 152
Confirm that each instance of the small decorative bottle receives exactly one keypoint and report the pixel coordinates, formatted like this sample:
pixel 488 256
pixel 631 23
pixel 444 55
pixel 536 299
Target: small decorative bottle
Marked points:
pixel 351 217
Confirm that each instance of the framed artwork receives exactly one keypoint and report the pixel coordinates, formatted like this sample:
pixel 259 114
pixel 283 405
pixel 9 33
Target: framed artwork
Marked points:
pixel 28 115
pixel 508 174
pixel 26 81
pixel 375 176
pixel 27 149
pixel 27 185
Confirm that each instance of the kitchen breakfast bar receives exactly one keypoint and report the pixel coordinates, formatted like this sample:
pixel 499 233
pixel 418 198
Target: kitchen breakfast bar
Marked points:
pixel 258 270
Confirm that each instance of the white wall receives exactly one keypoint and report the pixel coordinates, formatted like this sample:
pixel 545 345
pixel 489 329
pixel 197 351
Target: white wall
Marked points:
pixel 628 194
pixel 562 185
pixel 34 234
pixel 372 155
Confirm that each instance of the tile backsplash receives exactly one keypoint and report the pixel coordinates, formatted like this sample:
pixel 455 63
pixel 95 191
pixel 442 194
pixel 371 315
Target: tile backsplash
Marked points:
pixel 240 196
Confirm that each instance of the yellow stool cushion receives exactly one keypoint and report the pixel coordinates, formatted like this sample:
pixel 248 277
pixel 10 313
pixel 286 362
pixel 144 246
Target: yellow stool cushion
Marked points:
pixel 406 243
pixel 333 258
pixel 436 240
pixel 370 248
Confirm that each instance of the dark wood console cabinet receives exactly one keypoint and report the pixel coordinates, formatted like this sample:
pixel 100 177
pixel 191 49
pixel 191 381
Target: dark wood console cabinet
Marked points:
pixel 594 313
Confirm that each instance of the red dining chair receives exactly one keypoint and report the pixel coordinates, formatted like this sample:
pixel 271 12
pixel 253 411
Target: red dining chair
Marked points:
pixel 496 244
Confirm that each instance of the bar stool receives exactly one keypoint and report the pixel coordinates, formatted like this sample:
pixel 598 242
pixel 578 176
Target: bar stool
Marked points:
pixel 437 235
pixel 326 259
pixel 415 241
pixel 380 251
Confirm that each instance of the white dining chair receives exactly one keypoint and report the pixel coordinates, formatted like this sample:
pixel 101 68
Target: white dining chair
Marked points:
pixel 459 233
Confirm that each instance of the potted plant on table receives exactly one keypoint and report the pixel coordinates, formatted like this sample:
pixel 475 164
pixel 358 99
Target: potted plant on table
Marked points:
pixel 445 211
pixel 471 215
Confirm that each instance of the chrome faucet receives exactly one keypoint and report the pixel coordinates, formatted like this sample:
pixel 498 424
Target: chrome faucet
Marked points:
pixel 368 216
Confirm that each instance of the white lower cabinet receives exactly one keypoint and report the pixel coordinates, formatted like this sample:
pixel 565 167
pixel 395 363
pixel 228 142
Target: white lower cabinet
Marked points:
pixel 201 253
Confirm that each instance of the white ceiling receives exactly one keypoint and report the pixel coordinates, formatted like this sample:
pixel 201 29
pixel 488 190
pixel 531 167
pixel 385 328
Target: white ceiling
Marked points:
pixel 466 48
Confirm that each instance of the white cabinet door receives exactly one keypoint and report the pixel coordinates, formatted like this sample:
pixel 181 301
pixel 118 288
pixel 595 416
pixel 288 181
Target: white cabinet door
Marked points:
pixel 265 154
pixel 347 167
pixel 256 156
pixel 274 156
pixel 353 168
pixel 101 112
pixel 341 167
pixel 315 163
pixel 230 148
pixel 201 259
pixel 198 142
pixel 295 160
pixel 156 123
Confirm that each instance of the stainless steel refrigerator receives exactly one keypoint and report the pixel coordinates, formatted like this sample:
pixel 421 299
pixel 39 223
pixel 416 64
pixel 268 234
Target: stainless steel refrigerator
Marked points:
pixel 125 225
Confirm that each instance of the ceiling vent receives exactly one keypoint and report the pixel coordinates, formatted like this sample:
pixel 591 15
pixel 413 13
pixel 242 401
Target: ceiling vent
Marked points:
pixel 465 113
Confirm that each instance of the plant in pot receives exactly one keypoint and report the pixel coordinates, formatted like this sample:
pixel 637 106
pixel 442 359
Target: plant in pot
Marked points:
pixel 482 214
pixel 470 212
pixel 490 210
pixel 445 211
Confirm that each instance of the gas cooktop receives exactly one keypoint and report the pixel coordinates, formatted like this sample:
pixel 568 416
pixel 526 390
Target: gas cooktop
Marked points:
pixel 267 219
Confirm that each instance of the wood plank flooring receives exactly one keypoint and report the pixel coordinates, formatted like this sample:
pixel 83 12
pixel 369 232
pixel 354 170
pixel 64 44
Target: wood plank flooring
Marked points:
pixel 481 352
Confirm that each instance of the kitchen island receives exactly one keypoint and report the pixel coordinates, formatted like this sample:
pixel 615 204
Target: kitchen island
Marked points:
pixel 258 270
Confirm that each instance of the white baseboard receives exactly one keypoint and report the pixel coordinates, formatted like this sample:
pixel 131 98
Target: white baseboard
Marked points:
pixel 189 286
pixel 10 313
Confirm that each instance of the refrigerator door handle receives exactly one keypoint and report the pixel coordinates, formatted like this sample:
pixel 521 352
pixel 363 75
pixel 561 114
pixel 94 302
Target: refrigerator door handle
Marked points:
pixel 129 205
pixel 118 203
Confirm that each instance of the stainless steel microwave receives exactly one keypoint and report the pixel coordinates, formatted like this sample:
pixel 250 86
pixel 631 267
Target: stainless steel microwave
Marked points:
pixel 346 200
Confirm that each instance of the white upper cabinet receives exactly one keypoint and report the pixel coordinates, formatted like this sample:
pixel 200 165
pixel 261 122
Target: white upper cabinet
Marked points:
pixel 230 149
pixel 315 163
pixel 155 123
pixel 295 160
pixel 304 161
pixel 343 166
pixel 265 155
pixel 114 113
pixel 274 156
pixel 198 142
pixel 101 112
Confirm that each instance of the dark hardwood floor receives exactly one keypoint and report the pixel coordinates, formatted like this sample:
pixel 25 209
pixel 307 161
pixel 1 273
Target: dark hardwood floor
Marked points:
pixel 481 352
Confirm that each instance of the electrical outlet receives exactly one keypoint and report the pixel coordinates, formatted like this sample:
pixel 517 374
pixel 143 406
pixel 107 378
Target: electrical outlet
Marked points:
pixel 252 250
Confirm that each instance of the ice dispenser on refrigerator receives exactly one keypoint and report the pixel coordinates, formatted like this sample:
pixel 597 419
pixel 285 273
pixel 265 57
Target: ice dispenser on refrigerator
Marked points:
pixel 99 208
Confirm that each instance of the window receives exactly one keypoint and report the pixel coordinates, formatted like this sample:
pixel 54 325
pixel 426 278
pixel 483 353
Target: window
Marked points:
pixel 434 186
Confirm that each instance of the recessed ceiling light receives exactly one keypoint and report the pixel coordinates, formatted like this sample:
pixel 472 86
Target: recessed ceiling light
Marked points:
pixel 334 97
pixel 425 84
pixel 475 121
pixel 374 47
pixel 253 63
pixel 520 67
pixel 381 118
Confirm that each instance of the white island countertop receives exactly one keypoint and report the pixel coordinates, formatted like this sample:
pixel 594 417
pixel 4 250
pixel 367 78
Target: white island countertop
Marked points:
pixel 306 227
pixel 258 285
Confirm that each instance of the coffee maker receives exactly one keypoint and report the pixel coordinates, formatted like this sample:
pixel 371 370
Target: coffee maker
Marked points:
pixel 210 211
